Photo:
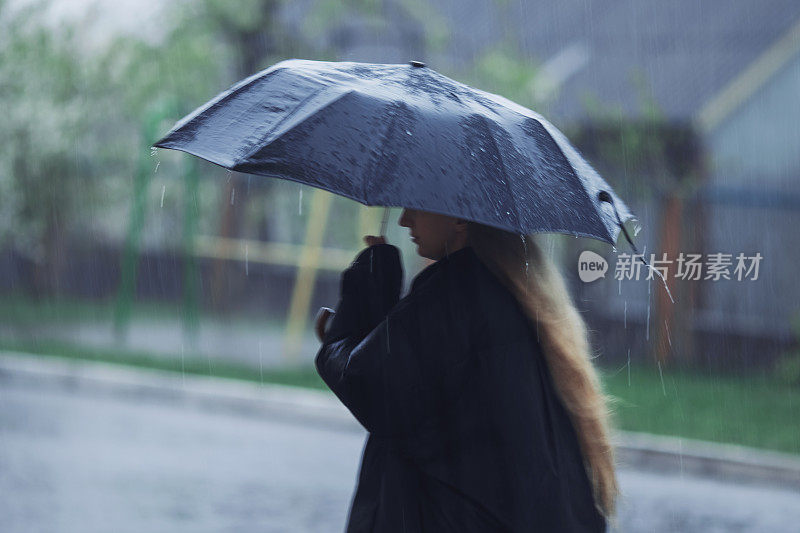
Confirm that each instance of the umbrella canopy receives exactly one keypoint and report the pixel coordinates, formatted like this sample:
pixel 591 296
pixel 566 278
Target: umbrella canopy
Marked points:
pixel 404 135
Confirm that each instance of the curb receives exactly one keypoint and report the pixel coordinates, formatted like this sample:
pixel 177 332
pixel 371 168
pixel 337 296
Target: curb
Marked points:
pixel 723 462
pixel 638 451
pixel 293 404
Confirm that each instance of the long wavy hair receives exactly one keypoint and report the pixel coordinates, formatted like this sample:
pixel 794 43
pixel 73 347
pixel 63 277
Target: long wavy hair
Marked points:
pixel 536 283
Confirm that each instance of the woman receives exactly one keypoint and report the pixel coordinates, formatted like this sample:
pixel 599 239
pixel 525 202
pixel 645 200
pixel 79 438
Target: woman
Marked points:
pixel 483 409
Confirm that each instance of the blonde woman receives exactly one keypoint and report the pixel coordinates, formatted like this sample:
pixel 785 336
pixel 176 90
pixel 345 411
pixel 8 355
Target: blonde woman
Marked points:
pixel 477 388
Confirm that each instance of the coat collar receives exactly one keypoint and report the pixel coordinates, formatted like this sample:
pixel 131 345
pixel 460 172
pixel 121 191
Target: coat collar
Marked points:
pixel 458 258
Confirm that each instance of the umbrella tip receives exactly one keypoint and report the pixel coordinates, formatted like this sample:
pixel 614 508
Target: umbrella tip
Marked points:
pixel 417 64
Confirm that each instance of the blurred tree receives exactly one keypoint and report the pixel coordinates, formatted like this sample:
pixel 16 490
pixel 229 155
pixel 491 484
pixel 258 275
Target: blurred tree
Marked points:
pixel 256 38
pixel 208 45
pixel 214 43
pixel 502 69
pixel 53 104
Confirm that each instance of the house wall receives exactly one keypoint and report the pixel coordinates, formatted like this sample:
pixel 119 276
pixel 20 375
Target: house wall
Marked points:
pixel 754 190
pixel 751 205
pixel 761 139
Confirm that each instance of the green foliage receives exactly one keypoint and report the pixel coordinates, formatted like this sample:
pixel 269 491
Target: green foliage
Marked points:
pixel 50 135
pixel 787 367
pixel 434 26
pixel 18 311
pixel 647 154
pixel 753 411
pixel 502 70
pixel 72 138
pixel 330 13
pixel 379 17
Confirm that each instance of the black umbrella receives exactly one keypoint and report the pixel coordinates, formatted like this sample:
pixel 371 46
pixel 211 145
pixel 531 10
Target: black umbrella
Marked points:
pixel 407 136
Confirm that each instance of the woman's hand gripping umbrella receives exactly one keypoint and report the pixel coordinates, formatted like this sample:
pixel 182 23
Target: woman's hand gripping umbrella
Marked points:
pixel 326 313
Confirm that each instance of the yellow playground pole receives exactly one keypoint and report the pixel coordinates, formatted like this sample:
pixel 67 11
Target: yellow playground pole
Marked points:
pixel 306 273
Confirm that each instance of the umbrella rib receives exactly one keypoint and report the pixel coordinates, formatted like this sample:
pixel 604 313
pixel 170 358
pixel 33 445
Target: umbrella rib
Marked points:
pixel 370 171
pixel 259 144
pixel 223 98
pixel 541 120
pixel 507 180
pixel 572 170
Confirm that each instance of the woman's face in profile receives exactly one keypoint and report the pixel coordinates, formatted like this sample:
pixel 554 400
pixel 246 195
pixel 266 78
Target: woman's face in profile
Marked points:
pixel 430 232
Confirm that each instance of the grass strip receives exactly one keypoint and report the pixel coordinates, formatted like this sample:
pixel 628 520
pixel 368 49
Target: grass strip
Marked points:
pixel 755 411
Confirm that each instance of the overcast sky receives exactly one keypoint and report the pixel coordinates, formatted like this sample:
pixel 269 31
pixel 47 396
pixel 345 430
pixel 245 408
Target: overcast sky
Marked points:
pixel 107 17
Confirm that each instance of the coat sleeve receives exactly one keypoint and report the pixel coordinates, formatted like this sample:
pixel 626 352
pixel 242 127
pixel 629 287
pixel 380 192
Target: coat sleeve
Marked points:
pixel 367 357
pixel 370 287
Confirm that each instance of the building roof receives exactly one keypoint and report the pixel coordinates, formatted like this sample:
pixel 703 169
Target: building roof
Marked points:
pixel 684 52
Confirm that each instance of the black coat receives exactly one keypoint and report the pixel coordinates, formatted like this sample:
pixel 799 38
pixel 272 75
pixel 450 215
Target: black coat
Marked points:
pixel 466 433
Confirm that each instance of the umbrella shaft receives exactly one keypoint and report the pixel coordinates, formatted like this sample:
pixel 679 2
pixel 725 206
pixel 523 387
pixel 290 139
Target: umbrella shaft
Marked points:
pixel 384 222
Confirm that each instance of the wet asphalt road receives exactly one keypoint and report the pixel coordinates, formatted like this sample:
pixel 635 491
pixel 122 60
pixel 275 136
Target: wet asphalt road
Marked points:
pixel 75 462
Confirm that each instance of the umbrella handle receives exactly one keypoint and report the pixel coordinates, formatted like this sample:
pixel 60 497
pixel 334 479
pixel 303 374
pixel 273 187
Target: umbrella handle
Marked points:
pixel 384 222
